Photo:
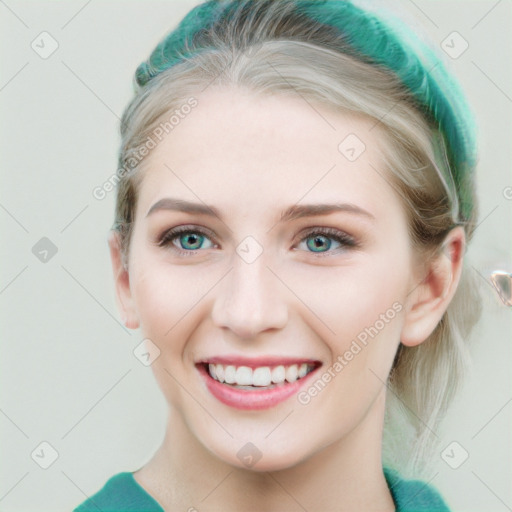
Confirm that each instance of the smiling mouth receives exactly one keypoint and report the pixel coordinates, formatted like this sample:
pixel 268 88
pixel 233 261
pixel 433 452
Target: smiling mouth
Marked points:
pixel 260 377
pixel 256 383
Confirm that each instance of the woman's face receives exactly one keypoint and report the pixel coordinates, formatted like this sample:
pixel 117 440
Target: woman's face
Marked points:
pixel 305 265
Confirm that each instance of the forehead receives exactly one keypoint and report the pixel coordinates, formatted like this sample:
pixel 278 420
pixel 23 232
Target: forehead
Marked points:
pixel 239 148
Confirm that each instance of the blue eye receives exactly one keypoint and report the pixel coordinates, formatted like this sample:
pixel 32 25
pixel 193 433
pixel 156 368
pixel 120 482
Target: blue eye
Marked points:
pixel 189 239
pixel 319 243
pixel 319 240
pixel 185 240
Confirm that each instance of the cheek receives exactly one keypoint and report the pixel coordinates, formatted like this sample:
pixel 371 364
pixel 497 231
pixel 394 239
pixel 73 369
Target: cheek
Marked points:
pixel 347 299
pixel 164 295
pixel 170 303
pixel 362 305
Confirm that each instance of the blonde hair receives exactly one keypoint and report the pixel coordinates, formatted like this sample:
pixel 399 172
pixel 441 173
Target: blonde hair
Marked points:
pixel 276 53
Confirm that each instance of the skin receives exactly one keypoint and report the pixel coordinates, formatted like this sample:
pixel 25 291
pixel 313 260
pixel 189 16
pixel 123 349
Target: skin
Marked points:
pixel 251 157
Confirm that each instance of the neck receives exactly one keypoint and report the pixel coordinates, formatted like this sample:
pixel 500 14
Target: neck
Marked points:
pixel 345 475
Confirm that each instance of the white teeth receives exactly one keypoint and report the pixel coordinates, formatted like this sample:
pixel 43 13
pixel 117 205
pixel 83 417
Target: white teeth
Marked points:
pixel 219 371
pixel 243 376
pixel 291 373
pixel 303 370
pixel 229 374
pixel 278 374
pixel 262 376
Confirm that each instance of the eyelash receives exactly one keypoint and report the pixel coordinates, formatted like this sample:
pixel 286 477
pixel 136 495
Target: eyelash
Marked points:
pixel 339 236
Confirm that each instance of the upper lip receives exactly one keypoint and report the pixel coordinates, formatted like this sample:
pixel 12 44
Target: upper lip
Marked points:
pixel 254 362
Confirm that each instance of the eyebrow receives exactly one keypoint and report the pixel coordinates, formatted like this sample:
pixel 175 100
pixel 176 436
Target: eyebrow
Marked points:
pixel 293 212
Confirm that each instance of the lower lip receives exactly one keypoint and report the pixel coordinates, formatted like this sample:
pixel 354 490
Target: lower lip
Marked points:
pixel 248 399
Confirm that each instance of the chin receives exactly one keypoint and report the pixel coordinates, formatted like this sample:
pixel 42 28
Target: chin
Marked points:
pixel 262 457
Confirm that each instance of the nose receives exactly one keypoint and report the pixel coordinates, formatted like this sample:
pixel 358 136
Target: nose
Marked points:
pixel 250 299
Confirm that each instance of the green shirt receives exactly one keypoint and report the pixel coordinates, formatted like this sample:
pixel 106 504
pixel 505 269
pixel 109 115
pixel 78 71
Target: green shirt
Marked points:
pixel 122 493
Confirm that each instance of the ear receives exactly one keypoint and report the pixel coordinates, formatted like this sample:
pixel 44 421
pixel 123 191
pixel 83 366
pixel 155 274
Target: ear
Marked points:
pixel 124 297
pixel 429 300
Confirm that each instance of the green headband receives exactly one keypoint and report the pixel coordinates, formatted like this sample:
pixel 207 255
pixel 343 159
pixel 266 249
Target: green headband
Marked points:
pixel 419 70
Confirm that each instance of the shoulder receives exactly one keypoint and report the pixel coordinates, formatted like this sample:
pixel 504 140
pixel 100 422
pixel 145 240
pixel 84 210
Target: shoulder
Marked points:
pixel 413 495
pixel 121 493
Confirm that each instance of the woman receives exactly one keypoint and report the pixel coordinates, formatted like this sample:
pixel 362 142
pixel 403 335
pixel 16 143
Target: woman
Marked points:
pixel 296 192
